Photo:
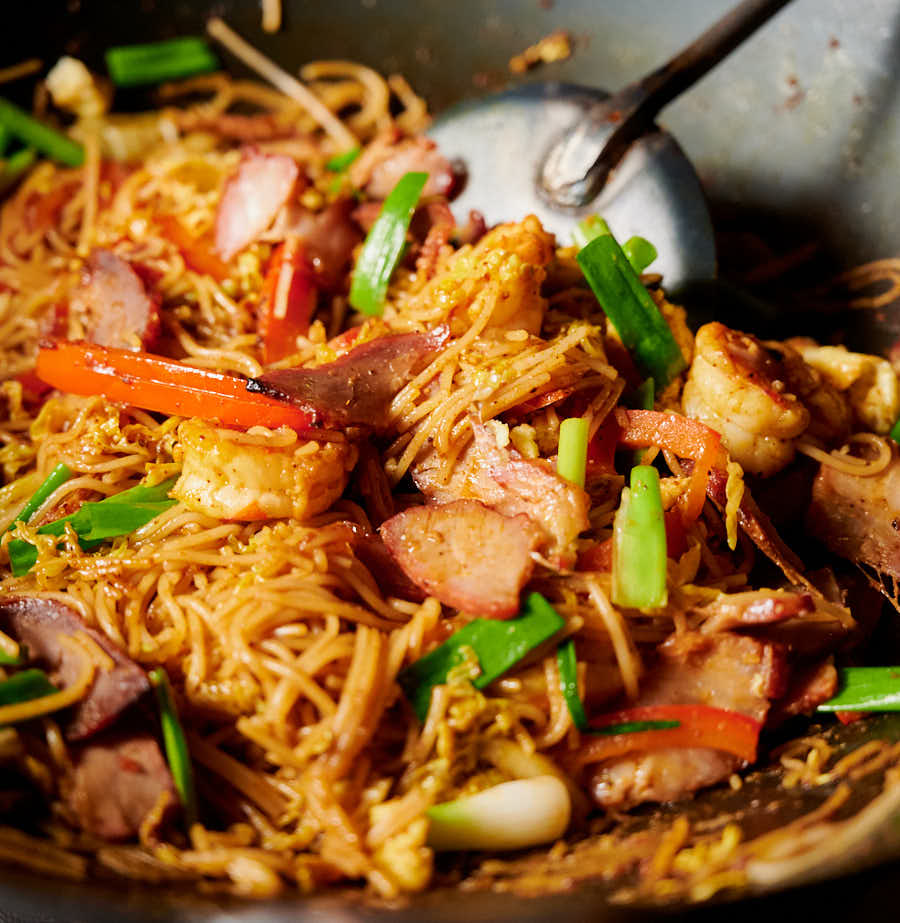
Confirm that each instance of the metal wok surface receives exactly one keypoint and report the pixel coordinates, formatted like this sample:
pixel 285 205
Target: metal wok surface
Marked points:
pixel 798 129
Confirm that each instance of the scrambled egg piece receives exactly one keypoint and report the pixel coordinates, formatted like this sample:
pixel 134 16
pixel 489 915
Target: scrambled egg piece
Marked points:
pixel 404 858
pixel 228 478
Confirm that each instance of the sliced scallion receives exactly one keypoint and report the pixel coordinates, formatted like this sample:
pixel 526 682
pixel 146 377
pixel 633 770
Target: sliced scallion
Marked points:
pixel 628 305
pixel 96 522
pixel 498 644
pixel 25 686
pixel 15 167
pixel 567 665
pixel 866 689
pixel 156 62
pixel 57 477
pixel 571 460
pixel 384 244
pixel 640 252
pixel 177 753
pixel 340 162
pixel 632 727
pixel 40 136
pixel 639 544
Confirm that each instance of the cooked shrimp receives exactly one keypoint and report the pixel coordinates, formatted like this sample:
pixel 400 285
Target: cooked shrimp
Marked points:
pixel 227 477
pixel 737 386
pixel 869 382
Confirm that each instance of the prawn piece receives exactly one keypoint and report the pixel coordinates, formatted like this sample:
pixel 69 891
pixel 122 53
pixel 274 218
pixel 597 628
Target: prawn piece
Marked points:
pixel 869 382
pixel 738 387
pixel 228 478
pixel 504 270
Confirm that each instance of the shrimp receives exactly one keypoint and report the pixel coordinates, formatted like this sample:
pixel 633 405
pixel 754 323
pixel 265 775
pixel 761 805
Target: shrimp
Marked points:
pixel 869 382
pixel 229 478
pixel 737 386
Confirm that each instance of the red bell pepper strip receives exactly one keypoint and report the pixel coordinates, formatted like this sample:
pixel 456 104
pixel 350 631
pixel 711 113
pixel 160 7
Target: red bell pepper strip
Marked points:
pixel 163 386
pixel 698 726
pixel 198 252
pixel 601 451
pixel 685 437
pixel 288 300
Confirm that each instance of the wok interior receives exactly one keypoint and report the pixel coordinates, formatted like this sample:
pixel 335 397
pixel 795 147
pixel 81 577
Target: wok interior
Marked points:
pixel 429 49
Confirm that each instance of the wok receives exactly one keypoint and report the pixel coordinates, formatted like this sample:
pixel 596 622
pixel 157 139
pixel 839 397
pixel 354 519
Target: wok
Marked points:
pixel 796 136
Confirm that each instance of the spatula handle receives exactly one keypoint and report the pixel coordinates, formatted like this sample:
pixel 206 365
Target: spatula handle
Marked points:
pixel 576 167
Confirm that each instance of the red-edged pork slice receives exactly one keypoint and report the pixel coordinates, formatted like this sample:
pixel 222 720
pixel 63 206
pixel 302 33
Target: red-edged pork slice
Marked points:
pixel 328 237
pixel 252 199
pixel 116 782
pixel 356 389
pixel 754 608
pixel 114 305
pixel 809 687
pixel 39 624
pixel 384 162
pixel 858 518
pixel 734 672
pixel 502 479
pixel 467 555
pixel 371 550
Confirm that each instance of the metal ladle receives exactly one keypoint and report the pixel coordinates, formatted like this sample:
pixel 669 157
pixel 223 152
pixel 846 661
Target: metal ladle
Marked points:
pixel 563 151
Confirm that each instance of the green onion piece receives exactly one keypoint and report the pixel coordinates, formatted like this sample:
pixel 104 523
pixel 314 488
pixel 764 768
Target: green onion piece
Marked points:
pixel 568 683
pixel 866 689
pixel 588 229
pixel 58 476
pixel 96 522
pixel 4 139
pixel 383 246
pixel 628 305
pixel 499 646
pixel 155 62
pixel 177 753
pixel 340 162
pixel 895 432
pixel 640 253
pixel 632 727
pixel 16 167
pixel 25 686
pixel 7 661
pixel 40 136
pixel 571 460
pixel 639 544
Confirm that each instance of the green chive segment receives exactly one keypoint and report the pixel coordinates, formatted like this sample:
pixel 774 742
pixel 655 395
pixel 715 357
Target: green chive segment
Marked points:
pixel 866 689
pixel 177 753
pixel 40 136
pixel 156 62
pixel 96 522
pixel 639 544
pixel 57 477
pixel 640 253
pixel 340 162
pixel 571 461
pixel 566 664
pixel 895 432
pixel 25 686
pixel 633 727
pixel 384 245
pixel 15 167
pixel 628 305
pixel 498 645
